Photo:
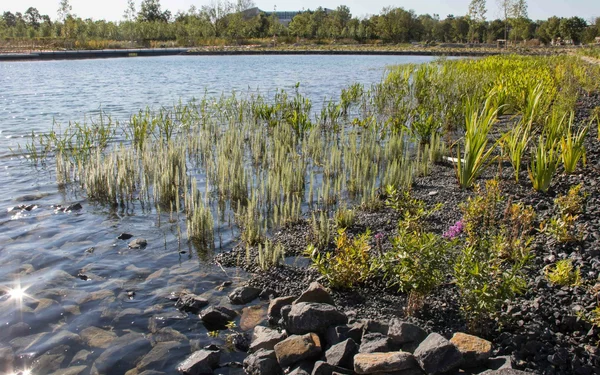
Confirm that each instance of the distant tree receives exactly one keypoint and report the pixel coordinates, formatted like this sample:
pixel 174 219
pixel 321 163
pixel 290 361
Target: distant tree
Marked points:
pixel 300 25
pixel 339 20
pixel 476 17
pixel 64 10
pixel 506 8
pixel 519 19
pixel 150 11
pixel 215 13
pixel 130 11
pixel 572 28
pixel 548 30
pixel 32 17
pixel 398 25
pixel 10 20
pixel 243 5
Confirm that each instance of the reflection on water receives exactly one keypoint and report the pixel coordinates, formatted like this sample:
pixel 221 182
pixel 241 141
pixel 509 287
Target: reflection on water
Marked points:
pixel 73 295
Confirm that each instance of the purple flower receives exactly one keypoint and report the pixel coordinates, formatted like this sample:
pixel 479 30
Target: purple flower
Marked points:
pixel 379 237
pixel 454 230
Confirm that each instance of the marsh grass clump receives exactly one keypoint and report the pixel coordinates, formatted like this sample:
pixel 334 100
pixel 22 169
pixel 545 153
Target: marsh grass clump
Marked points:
pixel 572 147
pixel 563 273
pixel 321 233
pixel 270 255
pixel 344 217
pixel 544 163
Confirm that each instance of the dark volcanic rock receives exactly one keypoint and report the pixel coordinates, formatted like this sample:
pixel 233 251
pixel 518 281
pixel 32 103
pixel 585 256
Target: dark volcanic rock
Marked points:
pixel 243 295
pixel 217 317
pixel 315 293
pixel 374 343
pixel 342 354
pixel 262 362
pixel 403 332
pixel 265 338
pixel 190 303
pixel 298 348
pixel 324 368
pixel 200 362
pixel 335 335
pixel 124 236
pixel 274 310
pixel 436 354
pixel 313 317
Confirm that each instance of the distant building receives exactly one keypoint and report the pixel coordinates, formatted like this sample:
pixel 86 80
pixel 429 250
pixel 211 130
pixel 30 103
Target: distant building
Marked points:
pixel 285 17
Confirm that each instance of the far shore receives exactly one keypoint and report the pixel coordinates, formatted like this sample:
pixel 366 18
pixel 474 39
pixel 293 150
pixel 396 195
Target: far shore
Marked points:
pixel 279 50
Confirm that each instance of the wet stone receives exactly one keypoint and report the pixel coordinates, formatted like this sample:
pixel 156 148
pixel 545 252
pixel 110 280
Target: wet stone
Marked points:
pixel 167 334
pixel 97 338
pixel 243 295
pixel 164 320
pixel 138 243
pixel 80 357
pixel 158 356
pixel 191 303
pixel 200 362
pixel 50 361
pixel 217 317
pixel 6 360
pixel 124 236
pixel 252 316
pixel 72 370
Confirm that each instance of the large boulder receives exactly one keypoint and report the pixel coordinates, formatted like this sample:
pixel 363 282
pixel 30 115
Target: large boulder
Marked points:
pixel 324 368
pixel 337 334
pixel 474 350
pixel 315 293
pixel 243 295
pixel 374 363
pixel 200 362
pixel 265 338
pixel 312 317
pixel 404 333
pixel 297 348
pixel 217 317
pixel 274 310
pixel 436 354
pixel 342 354
pixel 374 343
pixel 262 362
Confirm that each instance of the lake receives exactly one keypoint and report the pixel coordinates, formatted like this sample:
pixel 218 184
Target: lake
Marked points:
pixel 69 289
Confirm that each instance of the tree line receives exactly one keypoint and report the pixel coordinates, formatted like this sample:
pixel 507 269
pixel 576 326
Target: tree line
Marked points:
pixel 226 20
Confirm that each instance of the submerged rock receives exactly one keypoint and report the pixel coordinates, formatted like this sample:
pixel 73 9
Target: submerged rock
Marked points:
pixel 191 303
pixel 124 236
pixel 122 355
pixel 252 316
pixel 158 356
pixel 138 243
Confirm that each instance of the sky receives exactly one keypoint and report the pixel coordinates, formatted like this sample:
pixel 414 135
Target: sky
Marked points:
pixel 113 9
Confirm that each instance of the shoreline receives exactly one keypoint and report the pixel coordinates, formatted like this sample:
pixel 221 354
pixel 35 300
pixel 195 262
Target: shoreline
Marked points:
pixel 150 52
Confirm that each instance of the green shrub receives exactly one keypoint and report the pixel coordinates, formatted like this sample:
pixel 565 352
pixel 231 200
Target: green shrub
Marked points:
pixel 573 202
pixel 563 227
pixel 348 265
pixel 572 148
pixel 563 273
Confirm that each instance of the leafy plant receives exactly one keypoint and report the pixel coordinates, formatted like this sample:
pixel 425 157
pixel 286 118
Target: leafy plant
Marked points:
pixel 348 265
pixel 543 164
pixel 563 273
pixel 477 156
pixel 573 202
